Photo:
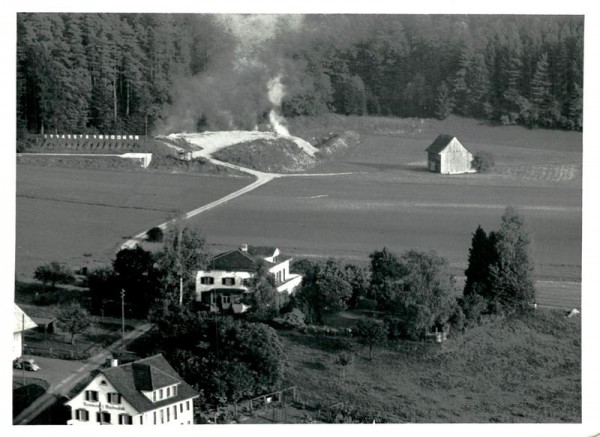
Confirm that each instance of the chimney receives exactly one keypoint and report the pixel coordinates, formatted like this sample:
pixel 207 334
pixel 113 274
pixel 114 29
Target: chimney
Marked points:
pixel 244 248
pixel 114 362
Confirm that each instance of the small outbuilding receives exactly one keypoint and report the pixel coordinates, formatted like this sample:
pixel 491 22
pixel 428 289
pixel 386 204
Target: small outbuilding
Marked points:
pixel 446 155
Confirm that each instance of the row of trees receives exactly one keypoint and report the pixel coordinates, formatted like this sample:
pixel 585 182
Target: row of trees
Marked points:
pixel 132 72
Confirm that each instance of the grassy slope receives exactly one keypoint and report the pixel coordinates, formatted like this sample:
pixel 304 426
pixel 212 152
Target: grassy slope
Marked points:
pixel 517 370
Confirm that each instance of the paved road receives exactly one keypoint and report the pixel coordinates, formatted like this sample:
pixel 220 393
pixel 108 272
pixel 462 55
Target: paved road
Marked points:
pixel 61 387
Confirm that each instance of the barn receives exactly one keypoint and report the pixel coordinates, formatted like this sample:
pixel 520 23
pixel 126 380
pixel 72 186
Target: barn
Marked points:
pixel 446 155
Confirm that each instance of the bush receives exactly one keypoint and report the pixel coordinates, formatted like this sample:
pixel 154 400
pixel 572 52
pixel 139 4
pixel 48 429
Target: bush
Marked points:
pixel 483 162
pixel 155 234
pixel 291 320
pixel 367 304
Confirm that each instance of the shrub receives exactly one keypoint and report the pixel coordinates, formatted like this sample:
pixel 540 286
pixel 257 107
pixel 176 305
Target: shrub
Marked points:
pixel 291 320
pixel 366 304
pixel 155 234
pixel 483 162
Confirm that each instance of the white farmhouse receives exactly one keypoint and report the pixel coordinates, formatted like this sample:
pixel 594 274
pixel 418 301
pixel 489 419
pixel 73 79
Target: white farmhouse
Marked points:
pixel 22 322
pixel 229 276
pixel 145 392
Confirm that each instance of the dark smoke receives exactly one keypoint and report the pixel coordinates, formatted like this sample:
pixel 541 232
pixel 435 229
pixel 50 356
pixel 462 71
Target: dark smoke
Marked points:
pixel 232 92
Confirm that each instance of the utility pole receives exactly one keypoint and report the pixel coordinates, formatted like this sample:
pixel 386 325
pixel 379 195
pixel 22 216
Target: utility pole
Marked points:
pixel 122 322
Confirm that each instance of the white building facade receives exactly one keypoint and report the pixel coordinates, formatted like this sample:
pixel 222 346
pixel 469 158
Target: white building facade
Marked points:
pixel 146 392
pixel 229 276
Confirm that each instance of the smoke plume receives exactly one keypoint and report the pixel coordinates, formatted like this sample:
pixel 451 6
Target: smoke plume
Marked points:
pixel 245 84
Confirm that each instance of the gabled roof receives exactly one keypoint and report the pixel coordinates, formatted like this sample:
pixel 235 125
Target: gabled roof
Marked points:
pixel 22 321
pixel 148 374
pixel 262 251
pixel 440 143
pixel 236 261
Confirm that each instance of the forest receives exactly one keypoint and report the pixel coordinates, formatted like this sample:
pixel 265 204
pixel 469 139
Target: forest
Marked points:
pixel 160 73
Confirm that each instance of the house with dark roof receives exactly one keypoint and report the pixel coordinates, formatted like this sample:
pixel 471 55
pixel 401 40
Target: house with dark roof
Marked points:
pixel 446 155
pixel 146 392
pixel 228 277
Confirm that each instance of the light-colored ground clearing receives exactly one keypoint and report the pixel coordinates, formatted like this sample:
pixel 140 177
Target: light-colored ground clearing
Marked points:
pixel 63 213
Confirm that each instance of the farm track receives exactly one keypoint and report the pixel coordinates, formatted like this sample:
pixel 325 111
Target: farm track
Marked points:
pixel 262 178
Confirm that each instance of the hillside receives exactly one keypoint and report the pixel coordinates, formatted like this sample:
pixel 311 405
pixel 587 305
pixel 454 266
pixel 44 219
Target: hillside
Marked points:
pixel 524 369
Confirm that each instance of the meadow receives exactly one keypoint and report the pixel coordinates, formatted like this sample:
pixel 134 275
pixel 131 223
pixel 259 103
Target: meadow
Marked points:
pixel 81 216
pixel 524 369
pixel 389 199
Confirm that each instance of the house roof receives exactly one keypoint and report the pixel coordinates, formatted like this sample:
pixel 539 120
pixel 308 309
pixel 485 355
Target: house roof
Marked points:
pixel 440 143
pixel 236 261
pixel 147 374
pixel 262 251
pixel 22 321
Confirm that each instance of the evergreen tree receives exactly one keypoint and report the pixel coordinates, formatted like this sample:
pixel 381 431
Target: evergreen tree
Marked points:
pixel 482 255
pixel 541 97
pixel 444 102
pixel 512 273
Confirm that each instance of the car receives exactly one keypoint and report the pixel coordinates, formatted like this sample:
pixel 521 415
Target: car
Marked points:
pixel 27 364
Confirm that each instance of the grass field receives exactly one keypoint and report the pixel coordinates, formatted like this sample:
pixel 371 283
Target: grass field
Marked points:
pixel 525 369
pixel 64 213
pixel 390 199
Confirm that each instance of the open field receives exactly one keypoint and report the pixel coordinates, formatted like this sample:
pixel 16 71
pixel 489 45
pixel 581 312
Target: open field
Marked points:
pixel 525 369
pixel 390 199
pixel 63 213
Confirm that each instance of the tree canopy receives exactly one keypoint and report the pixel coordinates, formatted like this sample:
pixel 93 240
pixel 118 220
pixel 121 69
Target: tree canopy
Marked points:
pixel 138 73
pixel 54 273
pixel 73 318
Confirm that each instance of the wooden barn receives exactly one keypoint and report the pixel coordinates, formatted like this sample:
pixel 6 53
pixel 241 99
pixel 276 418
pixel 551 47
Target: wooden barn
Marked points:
pixel 446 155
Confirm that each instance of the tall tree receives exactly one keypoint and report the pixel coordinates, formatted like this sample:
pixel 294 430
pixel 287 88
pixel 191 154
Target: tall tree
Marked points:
pixel 371 332
pixel 512 273
pixel 183 253
pixel 74 319
pixel 482 254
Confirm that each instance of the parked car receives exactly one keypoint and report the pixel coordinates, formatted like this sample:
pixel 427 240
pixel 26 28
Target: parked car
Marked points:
pixel 27 364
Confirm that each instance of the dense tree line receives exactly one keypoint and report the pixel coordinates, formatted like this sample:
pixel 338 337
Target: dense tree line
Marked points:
pixel 127 72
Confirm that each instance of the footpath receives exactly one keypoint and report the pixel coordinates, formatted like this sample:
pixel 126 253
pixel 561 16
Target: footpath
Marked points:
pixel 64 387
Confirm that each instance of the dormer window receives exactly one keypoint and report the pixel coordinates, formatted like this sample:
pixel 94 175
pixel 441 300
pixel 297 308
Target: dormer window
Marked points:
pixel 228 281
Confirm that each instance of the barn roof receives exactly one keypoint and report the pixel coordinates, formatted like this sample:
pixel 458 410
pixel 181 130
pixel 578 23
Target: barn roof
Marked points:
pixel 440 143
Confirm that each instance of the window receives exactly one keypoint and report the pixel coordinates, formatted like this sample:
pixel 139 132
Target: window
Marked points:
pixel 175 412
pixel 103 382
pixel 168 392
pixel 207 280
pixel 226 299
pixel 153 396
pixel 187 405
pixel 125 419
pixel 181 407
pixel 82 414
pixel 174 390
pixel 141 420
pixel 162 416
pixel 114 398
pixel 103 417
pixel 160 394
pixel 168 414
pixel 228 281
pixel 155 417
pixel 91 395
